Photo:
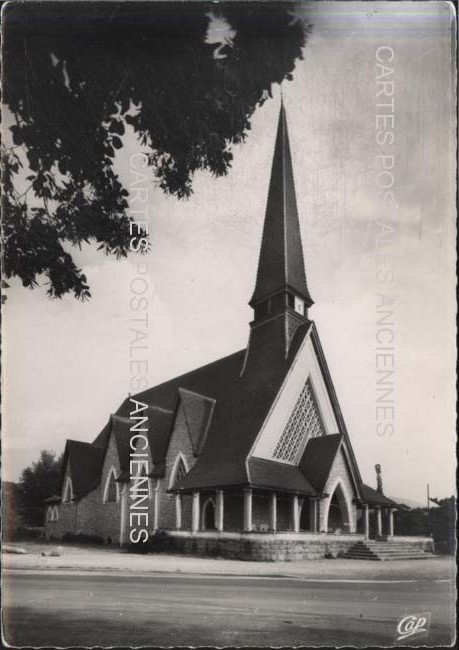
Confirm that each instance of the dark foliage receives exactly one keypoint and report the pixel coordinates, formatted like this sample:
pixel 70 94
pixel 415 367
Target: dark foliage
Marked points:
pixel 438 521
pixel 78 74
pixel 36 484
pixel 159 542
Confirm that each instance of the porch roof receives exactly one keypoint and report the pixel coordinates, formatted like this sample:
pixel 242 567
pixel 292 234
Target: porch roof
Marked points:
pixel 273 475
pixel 374 498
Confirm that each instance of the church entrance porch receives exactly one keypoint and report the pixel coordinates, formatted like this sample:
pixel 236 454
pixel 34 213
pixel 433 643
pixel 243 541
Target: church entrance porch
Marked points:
pixel 249 510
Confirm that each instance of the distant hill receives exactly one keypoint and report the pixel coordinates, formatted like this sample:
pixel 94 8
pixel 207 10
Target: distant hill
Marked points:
pixel 408 502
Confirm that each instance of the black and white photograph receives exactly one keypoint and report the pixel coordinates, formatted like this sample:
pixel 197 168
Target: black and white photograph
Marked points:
pixel 228 344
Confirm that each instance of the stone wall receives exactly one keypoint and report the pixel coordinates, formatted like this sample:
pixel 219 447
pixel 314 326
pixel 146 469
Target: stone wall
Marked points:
pixel 90 515
pixel 267 548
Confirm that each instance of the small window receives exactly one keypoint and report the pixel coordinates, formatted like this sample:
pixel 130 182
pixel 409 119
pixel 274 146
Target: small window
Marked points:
pixel 179 471
pixel 68 491
pixel 112 492
pixel 53 513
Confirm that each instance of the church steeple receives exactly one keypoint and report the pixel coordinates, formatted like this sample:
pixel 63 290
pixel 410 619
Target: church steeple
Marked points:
pixel 281 297
pixel 281 262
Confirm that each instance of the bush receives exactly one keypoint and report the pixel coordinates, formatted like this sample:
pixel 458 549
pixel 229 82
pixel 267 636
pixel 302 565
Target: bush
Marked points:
pixel 25 533
pixel 82 538
pixel 159 542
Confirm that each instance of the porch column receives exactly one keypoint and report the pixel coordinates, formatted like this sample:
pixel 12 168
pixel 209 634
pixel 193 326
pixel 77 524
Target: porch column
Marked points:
pixel 156 502
pixel 295 514
pixel 313 503
pixel 247 510
pixel 273 512
pixel 195 513
pixel 178 511
pixel 366 521
pixel 220 510
pixel 378 521
pixel 123 514
pixel 391 522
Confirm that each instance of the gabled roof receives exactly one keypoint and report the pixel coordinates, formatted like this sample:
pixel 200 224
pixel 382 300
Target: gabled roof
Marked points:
pixel 55 498
pixel 318 457
pixel 85 462
pixel 272 475
pixel 198 412
pixel 281 262
pixel 374 498
pixel 335 404
pixel 241 406
pixel 120 428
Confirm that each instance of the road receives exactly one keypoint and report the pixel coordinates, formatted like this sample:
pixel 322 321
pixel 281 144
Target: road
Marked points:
pixel 60 609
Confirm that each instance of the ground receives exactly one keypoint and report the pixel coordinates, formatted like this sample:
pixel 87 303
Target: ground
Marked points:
pixel 91 596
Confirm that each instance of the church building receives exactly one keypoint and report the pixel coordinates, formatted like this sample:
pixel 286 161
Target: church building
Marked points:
pixel 248 456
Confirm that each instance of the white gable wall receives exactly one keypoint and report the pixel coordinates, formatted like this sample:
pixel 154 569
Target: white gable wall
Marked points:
pixel 306 365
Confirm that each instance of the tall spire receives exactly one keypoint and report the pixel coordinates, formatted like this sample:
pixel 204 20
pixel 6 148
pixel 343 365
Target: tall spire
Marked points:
pixel 281 262
pixel 281 298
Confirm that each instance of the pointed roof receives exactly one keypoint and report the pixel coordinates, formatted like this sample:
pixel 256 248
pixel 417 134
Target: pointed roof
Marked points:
pixel 281 262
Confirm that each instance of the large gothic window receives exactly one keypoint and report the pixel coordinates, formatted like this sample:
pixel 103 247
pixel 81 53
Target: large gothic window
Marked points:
pixel 304 423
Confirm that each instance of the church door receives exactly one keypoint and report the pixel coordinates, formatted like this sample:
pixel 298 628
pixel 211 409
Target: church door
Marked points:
pixel 209 515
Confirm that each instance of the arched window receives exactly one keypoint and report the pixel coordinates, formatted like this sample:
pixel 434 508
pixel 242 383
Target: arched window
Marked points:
pixel 68 490
pixel 53 513
pixel 111 494
pixel 208 515
pixel 179 470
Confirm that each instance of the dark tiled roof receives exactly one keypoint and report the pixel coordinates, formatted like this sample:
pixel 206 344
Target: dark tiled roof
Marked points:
pixel 272 475
pixel 241 406
pixel 318 458
pixel 159 424
pixel 374 498
pixel 55 498
pixel 224 411
pixel 85 461
pixel 198 412
pixel 121 432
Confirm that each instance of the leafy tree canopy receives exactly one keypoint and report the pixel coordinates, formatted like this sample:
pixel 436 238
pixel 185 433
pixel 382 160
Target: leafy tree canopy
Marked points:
pixel 38 482
pixel 76 74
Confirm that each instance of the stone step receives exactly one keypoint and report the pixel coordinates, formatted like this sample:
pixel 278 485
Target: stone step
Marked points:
pixel 385 559
pixel 384 551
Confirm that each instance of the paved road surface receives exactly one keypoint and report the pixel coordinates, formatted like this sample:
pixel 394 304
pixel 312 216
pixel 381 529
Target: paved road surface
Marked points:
pixel 71 610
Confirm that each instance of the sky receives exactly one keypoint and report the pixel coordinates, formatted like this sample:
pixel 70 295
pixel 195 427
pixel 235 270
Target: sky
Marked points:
pixel 66 363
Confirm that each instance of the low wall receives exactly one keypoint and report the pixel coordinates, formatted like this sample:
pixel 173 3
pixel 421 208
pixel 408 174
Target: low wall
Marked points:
pixel 424 543
pixel 264 547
